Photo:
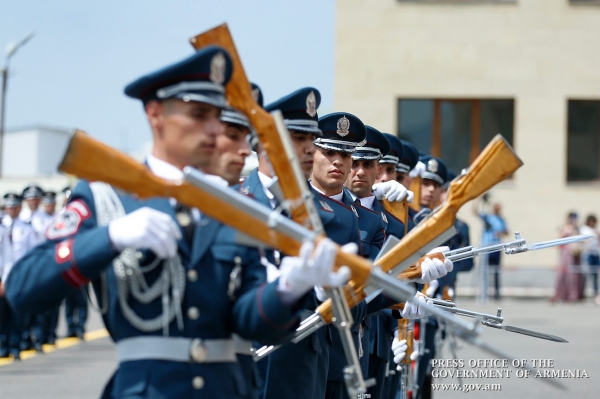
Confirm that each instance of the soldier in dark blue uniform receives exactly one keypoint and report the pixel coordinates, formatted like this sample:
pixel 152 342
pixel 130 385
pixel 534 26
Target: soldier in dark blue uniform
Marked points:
pixel 360 183
pixel 343 133
pixel 307 379
pixel 433 177
pixel 173 284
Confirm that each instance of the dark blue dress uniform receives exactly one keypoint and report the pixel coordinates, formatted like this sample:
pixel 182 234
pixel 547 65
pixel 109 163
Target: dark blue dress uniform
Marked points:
pixel 307 377
pixel 435 170
pixel 344 132
pixel 378 147
pixel 224 282
pixel 310 357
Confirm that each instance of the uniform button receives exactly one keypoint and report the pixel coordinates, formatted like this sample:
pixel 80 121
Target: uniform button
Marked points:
pixel 192 275
pixel 198 382
pixel 193 313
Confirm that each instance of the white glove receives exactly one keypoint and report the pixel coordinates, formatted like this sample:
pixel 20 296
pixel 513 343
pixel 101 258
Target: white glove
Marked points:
pixel 399 350
pixel 433 286
pixel 321 293
pixel 412 312
pixel 418 170
pixel 145 228
pixel 300 274
pixel 434 268
pixel 391 190
pixel 414 355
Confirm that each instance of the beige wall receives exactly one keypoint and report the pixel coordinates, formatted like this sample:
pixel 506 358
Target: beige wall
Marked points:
pixel 539 52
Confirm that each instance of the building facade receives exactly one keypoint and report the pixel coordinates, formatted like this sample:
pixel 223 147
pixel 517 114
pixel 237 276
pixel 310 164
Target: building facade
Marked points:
pixel 449 75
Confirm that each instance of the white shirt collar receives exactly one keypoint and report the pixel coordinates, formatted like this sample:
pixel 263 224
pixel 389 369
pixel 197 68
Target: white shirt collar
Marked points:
pixel 163 169
pixel 367 202
pixel 337 197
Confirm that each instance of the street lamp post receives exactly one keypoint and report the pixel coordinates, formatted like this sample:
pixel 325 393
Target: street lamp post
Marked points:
pixel 11 49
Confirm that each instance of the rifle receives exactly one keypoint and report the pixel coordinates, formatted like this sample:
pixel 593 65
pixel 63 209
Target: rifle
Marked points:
pixel 415 187
pixel 239 95
pixel 405 331
pixel 399 210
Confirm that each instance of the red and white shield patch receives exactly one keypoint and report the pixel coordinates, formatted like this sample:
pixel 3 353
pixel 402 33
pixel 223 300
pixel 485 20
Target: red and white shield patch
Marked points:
pixel 68 221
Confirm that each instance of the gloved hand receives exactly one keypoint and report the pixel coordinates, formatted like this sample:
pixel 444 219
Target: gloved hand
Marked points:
pixel 145 228
pixel 433 286
pixel 321 293
pixel 417 170
pixel 399 350
pixel 434 268
pixel 300 274
pixel 412 312
pixel 392 191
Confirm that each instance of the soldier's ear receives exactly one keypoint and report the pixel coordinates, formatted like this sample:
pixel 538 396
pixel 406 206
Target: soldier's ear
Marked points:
pixel 155 115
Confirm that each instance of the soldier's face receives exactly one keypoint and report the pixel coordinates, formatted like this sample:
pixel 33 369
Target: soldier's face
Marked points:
pixel 388 173
pixel 33 203
pixel 185 133
pixel 231 152
pixel 362 177
pixel 13 211
pixel 330 170
pixel 305 151
pixel 430 192
pixel 404 179
pixel 50 209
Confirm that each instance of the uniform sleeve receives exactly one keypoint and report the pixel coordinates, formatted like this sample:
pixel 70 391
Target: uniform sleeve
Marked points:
pixel 76 252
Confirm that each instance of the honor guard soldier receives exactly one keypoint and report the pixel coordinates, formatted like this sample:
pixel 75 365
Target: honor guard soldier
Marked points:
pixel 362 186
pixel 308 377
pixel 433 177
pixel 46 322
pixel 17 239
pixel 173 284
pixel 343 134
pixel 32 195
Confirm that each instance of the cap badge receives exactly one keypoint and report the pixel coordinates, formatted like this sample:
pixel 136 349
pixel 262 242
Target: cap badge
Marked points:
pixel 432 166
pixel 343 126
pixel 217 68
pixel 311 104
pixel 255 94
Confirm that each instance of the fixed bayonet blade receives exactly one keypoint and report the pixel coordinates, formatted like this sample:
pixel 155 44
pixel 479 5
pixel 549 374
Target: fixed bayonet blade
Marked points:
pixel 531 333
pixel 559 241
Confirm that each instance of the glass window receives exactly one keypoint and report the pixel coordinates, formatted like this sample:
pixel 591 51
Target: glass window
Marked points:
pixel 583 140
pixel 454 130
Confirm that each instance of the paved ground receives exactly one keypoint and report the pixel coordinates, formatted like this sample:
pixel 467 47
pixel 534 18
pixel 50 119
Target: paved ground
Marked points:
pixel 579 324
pixel 80 371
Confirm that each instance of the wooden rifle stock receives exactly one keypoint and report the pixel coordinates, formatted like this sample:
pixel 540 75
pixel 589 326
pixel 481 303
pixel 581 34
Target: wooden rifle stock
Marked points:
pixel 90 159
pixel 496 162
pixel 239 95
pixel 405 333
pixel 415 187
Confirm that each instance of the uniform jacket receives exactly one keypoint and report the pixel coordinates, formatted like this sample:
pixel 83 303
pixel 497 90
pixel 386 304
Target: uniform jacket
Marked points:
pixel 81 252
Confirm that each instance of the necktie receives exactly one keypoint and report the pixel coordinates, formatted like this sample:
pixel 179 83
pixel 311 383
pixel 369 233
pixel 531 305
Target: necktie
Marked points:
pixel 185 218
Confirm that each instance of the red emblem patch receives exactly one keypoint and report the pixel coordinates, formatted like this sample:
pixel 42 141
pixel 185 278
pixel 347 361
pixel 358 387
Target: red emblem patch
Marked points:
pixel 68 221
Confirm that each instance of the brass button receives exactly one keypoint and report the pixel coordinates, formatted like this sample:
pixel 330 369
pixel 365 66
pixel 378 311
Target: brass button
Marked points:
pixel 193 313
pixel 198 382
pixel 192 275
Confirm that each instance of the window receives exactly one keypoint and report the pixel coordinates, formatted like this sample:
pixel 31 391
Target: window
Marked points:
pixel 454 130
pixel 583 141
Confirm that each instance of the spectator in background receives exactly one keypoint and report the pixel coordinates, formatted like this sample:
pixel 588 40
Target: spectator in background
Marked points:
pixel 494 229
pixel 590 251
pixel 569 281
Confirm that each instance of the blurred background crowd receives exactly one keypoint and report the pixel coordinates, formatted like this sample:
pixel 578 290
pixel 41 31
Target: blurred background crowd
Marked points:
pixel 25 217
